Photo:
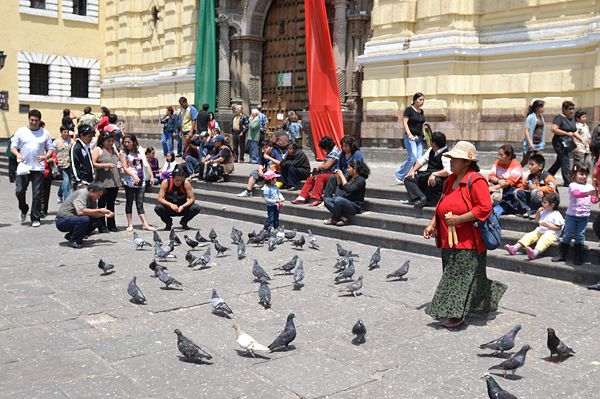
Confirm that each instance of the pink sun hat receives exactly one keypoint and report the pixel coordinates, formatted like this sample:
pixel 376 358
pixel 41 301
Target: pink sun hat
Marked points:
pixel 270 175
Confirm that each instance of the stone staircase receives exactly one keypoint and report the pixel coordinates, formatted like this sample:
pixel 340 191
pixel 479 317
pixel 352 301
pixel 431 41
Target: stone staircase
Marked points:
pixel 385 222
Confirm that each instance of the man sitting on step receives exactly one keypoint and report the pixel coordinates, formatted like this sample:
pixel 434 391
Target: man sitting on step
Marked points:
pixel 425 188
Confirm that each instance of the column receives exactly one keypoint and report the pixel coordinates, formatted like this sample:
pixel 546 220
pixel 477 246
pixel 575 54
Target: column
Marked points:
pixel 224 81
pixel 339 46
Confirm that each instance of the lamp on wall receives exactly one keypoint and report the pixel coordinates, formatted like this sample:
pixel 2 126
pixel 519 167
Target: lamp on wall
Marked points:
pixel 2 59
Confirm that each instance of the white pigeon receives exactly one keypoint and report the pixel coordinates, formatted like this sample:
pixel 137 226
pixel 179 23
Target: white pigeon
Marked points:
pixel 248 343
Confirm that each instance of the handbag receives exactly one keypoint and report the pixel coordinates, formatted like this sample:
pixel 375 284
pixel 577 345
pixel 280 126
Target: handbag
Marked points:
pixel 56 173
pixel 427 135
pixel 568 143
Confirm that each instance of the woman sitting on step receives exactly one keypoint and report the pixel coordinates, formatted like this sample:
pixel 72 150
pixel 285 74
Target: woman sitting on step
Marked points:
pixel 349 195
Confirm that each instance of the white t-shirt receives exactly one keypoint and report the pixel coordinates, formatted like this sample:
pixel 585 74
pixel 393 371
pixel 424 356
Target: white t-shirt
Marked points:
pixel 552 217
pixel 586 136
pixel 32 144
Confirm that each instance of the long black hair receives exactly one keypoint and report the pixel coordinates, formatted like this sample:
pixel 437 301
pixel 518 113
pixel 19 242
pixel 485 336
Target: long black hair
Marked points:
pixel 537 104
pixel 360 167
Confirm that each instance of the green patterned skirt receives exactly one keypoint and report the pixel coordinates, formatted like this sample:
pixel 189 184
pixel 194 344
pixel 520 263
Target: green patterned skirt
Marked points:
pixel 464 287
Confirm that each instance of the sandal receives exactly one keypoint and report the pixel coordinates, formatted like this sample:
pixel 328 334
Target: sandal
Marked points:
pixel 129 228
pixel 328 222
pixel 340 223
pixel 315 203
pixel 149 228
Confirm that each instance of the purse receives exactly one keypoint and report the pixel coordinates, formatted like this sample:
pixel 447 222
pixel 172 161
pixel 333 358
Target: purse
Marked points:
pixel 568 143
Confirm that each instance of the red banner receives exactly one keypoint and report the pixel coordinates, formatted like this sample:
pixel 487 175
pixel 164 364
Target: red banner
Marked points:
pixel 324 106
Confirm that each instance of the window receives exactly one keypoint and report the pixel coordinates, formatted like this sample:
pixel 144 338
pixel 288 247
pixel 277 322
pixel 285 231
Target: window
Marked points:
pixel 41 4
pixel 80 81
pixel 38 79
pixel 80 7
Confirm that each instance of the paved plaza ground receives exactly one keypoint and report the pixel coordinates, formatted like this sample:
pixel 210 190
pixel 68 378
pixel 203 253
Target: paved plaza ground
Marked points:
pixel 67 332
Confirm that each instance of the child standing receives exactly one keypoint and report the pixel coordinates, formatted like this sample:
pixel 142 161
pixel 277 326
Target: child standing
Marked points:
pixel 273 198
pixel 582 154
pixel 581 197
pixel 550 223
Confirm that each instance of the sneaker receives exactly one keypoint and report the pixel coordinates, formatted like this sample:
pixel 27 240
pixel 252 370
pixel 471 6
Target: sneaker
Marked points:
pixel 299 200
pixel 245 193
pixel 35 223
pixel 401 182
pixel 75 245
pixel 23 217
pixel 510 249
pixel 59 200
pixel 530 253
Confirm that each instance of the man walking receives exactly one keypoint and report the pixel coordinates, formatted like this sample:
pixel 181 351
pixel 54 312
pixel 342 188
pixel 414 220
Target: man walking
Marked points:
pixel 239 125
pixel 32 147
pixel 202 122
pixel 188 114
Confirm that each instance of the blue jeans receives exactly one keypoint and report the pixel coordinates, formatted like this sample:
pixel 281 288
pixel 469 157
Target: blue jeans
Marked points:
pixel 65 186
pixel 528 199
pixel 253 151
pixel 272 217
pixel 415 151
pixel 575 229
pixel 167 142
pixel 340 206
pixel 192 165
pixel 77 226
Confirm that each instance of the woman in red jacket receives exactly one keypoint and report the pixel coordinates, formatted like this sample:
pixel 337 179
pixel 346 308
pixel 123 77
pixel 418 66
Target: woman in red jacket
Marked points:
pixel 464 286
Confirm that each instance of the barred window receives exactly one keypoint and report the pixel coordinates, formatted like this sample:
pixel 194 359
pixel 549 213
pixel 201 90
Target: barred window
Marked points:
pixel 80 82
pixel 80 7
pixel 41 4
pixel 38 79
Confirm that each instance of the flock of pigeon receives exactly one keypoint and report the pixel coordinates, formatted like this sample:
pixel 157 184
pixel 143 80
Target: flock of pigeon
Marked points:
pixel 344 269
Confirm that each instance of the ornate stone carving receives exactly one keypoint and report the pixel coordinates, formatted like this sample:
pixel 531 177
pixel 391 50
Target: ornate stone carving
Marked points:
pixel 255 61
pixel 254 90
pixel 224 90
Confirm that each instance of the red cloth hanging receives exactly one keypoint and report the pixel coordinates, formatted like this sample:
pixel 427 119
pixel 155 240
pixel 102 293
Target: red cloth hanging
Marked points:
pixel 324 106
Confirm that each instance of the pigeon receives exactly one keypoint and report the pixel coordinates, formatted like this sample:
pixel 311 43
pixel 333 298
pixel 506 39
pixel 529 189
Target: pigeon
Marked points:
pixel 173 237
pixel 157 238
pixel 289 266
pixel 312 241
pixel 299 275
pixel 290 234
pixel 264 293
pixel 494 390
pixel 504 343
pixel 135 292
pixel 236 235
pixel 344 252
pixel 280 236
pixel 594 286
pixel 105 267
pixel 190 258
pixel 256 239
pixel 375 259
pixel 286 336
pixel 199 237
pixel 347 273
pixel 204 259
pixel 212 235
pixel 360 331
pixel 252 234
pixel 248 343
pixel 219 248
pixel 300 242
pixel 272 243
pixel 155 267
pixel 558 347
pixel 219 306
pixel 241 250
pixel 514 362
pixel 193 244
pixel 139 242
pixel 189 349
pixel 401 271
pixel 353 288
pixel 259 272
pixel 161 253
pixel 341 264
pixel 168 280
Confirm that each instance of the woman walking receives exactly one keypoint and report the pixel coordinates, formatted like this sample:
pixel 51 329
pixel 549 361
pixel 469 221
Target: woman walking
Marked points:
pixel 106 163
pixel 137 169
pixel 412 124
pixel 170 123
pixel 534 131
pixel 563 141
pixel 464 286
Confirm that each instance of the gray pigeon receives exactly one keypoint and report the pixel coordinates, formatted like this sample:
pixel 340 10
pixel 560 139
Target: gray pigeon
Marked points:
pixel 401 271
pixel 236 235
pixel 204 260
pixel 168 280
pixel 219 248
pixel 375 259
pixel 241 250
pixel 504 343
pixel 212 235
pixel 264 293
pixel 594 286
pixel 219 306
pixel 514 362
pixel 299 275
pixel 558 347
pixel 341 264
pixel 344 252
pixel 135 292
pixel 312 241
pixel 272 243
pixel 300 242
pixel 191 243
pixel 173 237
pixel 286 336
pixel 347 273
pixel 189 349
pixel 280 236
pixel 289 266
pixel 290 234
pixel 191 259
pixel 353 288
pixel 359 330
pixel 494 390
pixel 161 253
pixel 199 237
pixel 156 237
pixel 155 267
pixel 139 242
pixel 105 267
pixel 258 272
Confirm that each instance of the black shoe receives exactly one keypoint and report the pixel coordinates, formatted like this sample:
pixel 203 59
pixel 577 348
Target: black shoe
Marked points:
pixel 184 226
pixel 578 256
pixel 167 227
pixel 420 203
pixel 113 229
pixel 563 249
pixel 75 245
pixel 68 236
pixel 103 229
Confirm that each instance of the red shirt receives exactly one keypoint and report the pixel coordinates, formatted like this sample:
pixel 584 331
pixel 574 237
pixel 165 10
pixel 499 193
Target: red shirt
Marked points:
pixel 103 123
pixel 455 201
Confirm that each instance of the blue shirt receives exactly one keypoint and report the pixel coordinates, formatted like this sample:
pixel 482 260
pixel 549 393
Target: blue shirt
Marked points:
pixel 263 121
pixel 271 194
pixel 343 162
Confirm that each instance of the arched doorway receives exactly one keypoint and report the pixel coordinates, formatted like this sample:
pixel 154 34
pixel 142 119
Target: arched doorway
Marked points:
pixel 284 85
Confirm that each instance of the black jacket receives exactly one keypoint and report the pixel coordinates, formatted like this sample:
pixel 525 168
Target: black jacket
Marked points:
pixel 353 190
pixel 243 123
pixel 81 163
pixel 298 160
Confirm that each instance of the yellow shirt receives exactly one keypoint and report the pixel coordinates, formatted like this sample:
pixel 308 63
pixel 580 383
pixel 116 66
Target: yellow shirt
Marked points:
pixel 186 120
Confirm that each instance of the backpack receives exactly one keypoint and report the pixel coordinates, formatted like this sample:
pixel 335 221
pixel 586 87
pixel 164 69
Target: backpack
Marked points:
pixel 490 229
